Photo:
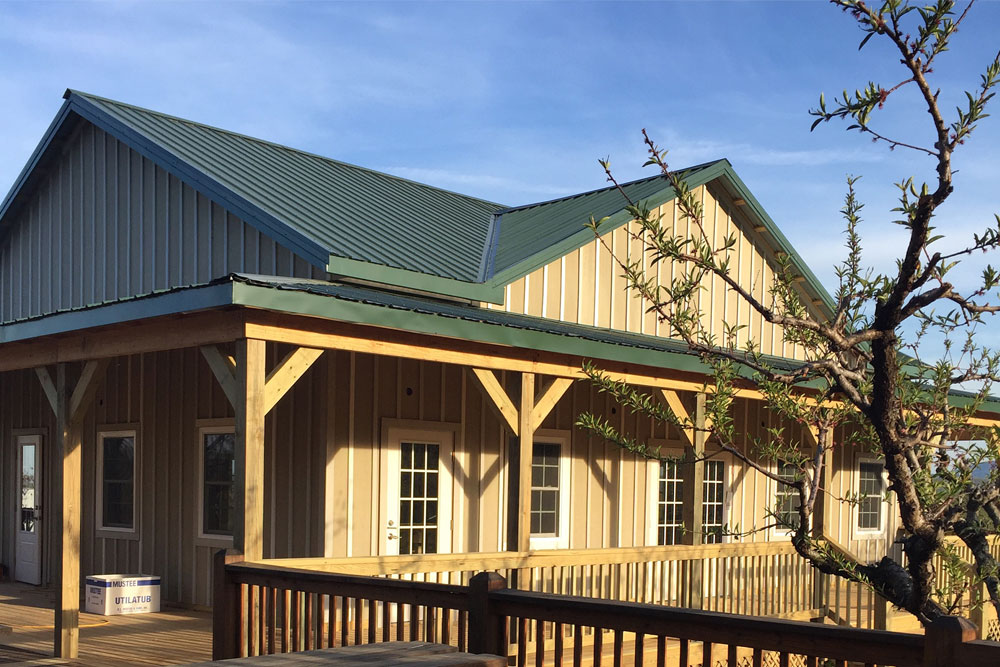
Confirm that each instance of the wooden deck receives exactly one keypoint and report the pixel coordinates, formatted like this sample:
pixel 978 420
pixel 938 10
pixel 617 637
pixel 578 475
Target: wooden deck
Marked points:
pixel 171 637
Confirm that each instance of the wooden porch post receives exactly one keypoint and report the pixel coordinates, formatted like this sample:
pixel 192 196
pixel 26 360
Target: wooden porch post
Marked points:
pixel 526 450
pixel 69 409
pixel 248 522
pixel 67 500
pixel 694 476
pixel 819 529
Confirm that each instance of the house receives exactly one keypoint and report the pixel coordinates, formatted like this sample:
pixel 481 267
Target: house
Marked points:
pixel 210 341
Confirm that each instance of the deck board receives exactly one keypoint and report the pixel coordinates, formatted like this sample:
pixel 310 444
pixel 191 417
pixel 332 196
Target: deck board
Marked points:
pixel 171 637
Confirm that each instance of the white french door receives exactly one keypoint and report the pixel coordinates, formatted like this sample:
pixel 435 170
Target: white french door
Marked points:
pixel 418 492
pixel 28 559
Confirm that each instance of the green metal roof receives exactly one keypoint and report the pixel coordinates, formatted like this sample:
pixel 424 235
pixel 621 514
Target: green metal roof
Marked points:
pixel 528 237
pixel 350 212
pixel 362 224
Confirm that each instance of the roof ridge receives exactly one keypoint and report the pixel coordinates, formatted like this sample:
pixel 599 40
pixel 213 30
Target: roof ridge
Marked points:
pixel 285 147
pixel 683 170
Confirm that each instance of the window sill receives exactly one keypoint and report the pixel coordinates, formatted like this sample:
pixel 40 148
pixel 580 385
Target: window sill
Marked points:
pixel 117 534
pixel 216 541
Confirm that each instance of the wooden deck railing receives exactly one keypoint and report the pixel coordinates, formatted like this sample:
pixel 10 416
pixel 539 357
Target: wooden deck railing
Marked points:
pixel 265 608
pixel 762 579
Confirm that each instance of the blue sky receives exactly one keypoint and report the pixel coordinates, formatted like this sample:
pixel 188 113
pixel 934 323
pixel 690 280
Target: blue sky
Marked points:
pixel 514 102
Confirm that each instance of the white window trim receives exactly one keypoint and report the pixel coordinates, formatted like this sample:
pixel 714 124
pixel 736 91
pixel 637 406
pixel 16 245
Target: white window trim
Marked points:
pixel 209 427
pixel 776 533
pixel 395 431
pixel 669 449
pixel 563 439
pixel 118 431
pixel 858 533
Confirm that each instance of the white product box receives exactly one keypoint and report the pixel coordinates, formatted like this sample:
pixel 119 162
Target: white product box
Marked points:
pixel 112 594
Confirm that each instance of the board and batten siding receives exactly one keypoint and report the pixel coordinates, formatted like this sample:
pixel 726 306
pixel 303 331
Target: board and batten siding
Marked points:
pixel 586 286
pixel 324 479
pixel 107 223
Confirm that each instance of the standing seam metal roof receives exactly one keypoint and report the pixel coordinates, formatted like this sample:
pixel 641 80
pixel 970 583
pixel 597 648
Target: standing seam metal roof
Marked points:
pixel 351 211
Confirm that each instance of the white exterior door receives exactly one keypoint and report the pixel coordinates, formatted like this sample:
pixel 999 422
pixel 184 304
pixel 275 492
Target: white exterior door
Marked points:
pixel 418 492
pixel 28 563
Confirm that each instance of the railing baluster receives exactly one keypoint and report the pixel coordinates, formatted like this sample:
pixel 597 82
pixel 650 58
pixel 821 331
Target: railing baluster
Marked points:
pixel 577 645
pixel 639 649
pixel 522 641
pixel 558 631
pixel 359 604
pixel 758 658
pixel 345 620
pixel 331 620
pixel 783 659
pixel 307 626
pixel 706 653
pixel 661 651
pixel 619 640
pixel 445 625
pixel 539 643
pixel 683 657
pixel 598 640
pixel 386 619
pixel 372 620
pixel 733 656
pixel 463 631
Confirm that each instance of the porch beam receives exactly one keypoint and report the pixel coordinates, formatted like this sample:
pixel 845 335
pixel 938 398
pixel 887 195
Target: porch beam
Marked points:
pixel 248 522
pixel 554 391
pixel 284 376
pixel 526 451
pixel 154 335
pixel 498 399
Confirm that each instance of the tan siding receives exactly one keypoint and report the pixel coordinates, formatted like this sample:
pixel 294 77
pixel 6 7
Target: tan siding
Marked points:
pixel 592 289
pixel 107 223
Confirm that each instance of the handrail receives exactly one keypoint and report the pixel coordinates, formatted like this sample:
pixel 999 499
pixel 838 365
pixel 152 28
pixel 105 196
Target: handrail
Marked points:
pixel 267 608
pixel 475 562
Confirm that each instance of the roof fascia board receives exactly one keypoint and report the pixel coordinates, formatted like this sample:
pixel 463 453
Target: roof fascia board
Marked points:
pixel 414 280
pixel 264 222
pixel 317 305
pixel 36 156
pixel 140 308
pixel 581 238
pixel 782 241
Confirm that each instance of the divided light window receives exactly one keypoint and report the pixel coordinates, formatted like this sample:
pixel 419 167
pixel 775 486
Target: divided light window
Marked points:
pixel 870 493
pixel 786 498
pixel 545 490
pixel 118 480
pixel 713 502
pixel 218 472
pixel 669 507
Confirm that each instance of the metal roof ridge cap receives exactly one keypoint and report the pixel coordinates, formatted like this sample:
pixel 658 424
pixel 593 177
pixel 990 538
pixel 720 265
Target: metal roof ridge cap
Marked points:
pixel 490 250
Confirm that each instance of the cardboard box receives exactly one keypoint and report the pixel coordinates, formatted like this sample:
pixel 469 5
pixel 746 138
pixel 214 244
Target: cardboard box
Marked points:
pixel 112 594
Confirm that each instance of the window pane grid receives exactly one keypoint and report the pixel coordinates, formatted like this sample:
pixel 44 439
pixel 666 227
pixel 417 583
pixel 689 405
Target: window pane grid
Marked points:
pixel 869 495
pixel 669 509
pixel 218 473
pixel 545 490
pixel 118 482
pixel 418 498
pixel 787 498
pixel 713 502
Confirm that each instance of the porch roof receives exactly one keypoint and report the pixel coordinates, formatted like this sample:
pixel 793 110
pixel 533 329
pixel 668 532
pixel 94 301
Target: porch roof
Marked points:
pixel 372 306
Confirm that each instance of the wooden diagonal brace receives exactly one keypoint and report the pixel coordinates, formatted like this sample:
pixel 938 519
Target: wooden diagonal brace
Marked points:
pixel 224 369
pixel 287 373
pixel 673 401
pixel 498 398
pixel 550 396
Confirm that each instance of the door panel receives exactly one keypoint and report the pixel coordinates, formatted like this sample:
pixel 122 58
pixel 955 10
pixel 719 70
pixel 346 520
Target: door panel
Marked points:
pixel 417 493
pixel 28 561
